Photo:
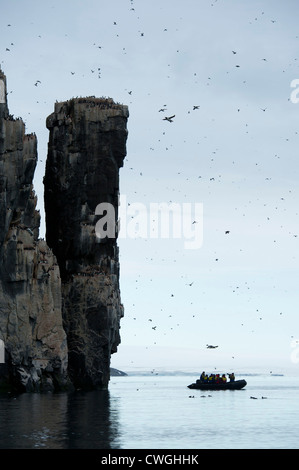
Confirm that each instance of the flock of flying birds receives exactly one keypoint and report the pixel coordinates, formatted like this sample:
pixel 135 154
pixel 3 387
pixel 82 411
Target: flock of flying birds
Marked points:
pixel 169 118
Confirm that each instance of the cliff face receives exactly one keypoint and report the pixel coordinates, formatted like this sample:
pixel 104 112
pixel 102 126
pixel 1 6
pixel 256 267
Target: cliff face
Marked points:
pixel 60 304
pixel 87 146
pixel 30 288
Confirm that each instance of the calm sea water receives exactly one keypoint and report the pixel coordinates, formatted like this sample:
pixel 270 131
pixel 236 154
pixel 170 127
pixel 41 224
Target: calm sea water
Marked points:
pixel 156 412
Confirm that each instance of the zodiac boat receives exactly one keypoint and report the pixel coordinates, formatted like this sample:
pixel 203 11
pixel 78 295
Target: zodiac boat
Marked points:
pixel 235 385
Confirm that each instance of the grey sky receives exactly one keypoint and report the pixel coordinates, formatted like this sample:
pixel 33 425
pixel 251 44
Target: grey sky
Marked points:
pixel 237 155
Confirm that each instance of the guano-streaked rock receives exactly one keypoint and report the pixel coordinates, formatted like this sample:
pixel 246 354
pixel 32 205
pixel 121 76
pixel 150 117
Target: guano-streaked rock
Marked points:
pixel 30 287
pixel 87 146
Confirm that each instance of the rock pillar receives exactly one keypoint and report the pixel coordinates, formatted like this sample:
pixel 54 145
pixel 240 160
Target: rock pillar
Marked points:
pixel 87 146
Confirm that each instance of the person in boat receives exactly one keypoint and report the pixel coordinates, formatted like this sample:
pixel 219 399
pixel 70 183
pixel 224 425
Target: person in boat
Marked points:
pixel 212 378
pixel 217 379
pixel 231 377
pixel 202 377
pixel 223 378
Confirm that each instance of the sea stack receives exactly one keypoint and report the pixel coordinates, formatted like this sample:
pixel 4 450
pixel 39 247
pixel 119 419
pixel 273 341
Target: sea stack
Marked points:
pixel 87 146
pixel 60 305
pixel 30 288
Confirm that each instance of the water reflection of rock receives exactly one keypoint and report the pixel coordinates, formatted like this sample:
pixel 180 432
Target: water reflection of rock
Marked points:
pixel 92 424
pixel 78 420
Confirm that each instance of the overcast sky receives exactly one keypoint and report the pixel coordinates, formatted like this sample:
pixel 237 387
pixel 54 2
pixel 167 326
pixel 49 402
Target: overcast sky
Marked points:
pixel 235 155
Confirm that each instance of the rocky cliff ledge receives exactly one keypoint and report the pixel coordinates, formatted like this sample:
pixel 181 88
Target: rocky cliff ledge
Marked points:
pixel 60 304
pixel 86 149
pixel 30 288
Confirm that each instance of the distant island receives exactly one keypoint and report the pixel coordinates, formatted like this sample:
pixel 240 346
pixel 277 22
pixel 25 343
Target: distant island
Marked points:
pixel 117 373
pixel 174 373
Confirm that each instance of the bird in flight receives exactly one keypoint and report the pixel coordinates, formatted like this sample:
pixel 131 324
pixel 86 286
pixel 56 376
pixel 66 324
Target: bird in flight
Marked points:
pixel 169 118
pixel 210 346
